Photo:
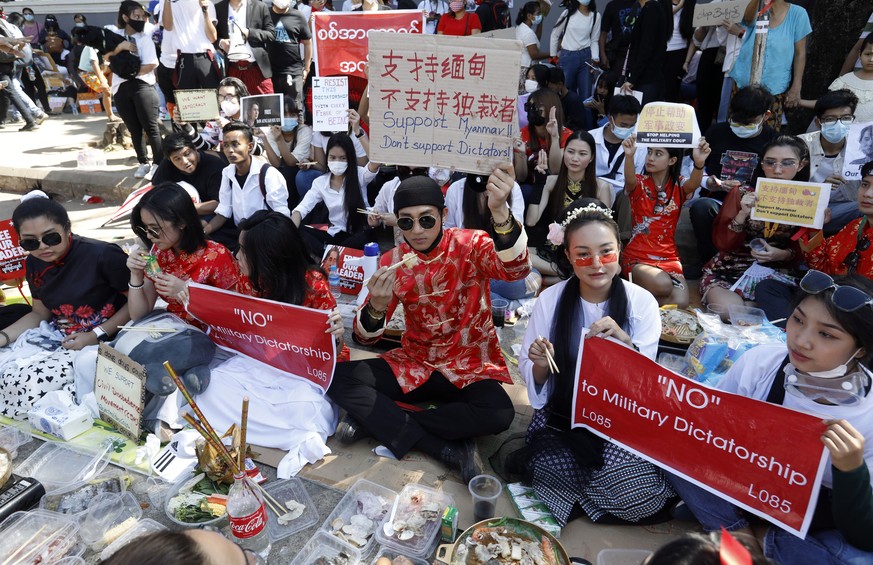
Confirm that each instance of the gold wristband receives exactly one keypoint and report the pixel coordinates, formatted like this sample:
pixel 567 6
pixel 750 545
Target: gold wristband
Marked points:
pixel 376 314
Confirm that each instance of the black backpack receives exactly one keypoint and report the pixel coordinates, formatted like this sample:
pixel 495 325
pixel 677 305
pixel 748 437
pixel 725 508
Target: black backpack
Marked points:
pixel 494 14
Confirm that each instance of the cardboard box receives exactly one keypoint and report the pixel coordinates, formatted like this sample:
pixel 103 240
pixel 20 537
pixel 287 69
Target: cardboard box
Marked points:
pixel 90 103
pixel 65 423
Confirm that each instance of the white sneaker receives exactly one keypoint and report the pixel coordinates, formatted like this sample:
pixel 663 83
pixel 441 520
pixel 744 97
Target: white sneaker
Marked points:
pixel 142 171
pixel 151 173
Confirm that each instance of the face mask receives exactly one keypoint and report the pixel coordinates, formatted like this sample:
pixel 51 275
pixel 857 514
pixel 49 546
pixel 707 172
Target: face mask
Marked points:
pixel 338 167
pixel 836 372
pixel 440 176
pixel 536 119
pixel 229 107
pixel 281 5
pixel 538 19
pixel 584 2
pixel 745 132
pixel 288 124
pixel 456 6
pixel 531 86
pixel 835 132
pixel 80 24
pixel 136 25
pixel 621 133
pixel 28 17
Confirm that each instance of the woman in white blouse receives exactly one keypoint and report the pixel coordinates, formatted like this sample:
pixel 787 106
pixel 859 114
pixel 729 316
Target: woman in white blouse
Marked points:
pixel 574 471
pixel 529 17
pixel 575 41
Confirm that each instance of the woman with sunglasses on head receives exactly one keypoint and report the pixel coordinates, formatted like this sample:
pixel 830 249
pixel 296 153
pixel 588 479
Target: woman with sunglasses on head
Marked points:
pixel 573 471
pixel 734 231
pixel 168 225
pixel 651 258
pixel 821 370
pixel 284 413
pixel 78 286
pixel 846 252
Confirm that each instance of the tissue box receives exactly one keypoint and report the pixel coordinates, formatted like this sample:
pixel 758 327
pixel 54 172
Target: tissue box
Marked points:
pixel 65 423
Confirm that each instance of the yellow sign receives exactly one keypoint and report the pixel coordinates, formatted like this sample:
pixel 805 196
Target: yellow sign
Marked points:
pixel 664 124
pixel 790 202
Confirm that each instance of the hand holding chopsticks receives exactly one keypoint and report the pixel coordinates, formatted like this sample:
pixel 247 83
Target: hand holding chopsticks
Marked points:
pixel 540 348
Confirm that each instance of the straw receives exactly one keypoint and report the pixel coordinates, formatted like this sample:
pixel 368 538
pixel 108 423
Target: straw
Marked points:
pixel 24 545
pixel 242 433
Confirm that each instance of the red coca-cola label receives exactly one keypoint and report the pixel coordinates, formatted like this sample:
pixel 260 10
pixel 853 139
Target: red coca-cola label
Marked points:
pixel 251 525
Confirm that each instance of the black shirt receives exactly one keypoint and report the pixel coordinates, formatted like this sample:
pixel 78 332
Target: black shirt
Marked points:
pixel 722 139
pixel 618 20
pixel 206 179
pixel 574 111
pixel 291 29
pixel 648 46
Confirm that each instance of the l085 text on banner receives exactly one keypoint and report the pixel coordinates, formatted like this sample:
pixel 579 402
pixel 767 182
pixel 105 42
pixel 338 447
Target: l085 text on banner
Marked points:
pixel 728 444
pixel 289 338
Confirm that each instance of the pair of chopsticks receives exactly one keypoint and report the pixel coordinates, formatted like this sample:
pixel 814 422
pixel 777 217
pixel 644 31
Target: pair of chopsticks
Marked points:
pixel 552 365
pixel 208 432
pixel 22 553
pixel 369 212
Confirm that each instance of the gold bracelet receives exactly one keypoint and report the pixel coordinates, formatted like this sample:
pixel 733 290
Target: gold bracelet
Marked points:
pixel 376 314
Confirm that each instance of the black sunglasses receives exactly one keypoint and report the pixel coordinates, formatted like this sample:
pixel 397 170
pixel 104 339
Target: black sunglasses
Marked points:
pixel 147 233
pixel 32 243
pixel 845 298
pixel 852 259
pixel 426 222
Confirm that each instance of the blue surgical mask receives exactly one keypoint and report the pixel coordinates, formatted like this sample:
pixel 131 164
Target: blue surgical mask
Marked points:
pixel 288 124
pixel 584 2
pixel 835 132
pixel 746 131
pixel 538 19
pixel 28 17
pixel 621 133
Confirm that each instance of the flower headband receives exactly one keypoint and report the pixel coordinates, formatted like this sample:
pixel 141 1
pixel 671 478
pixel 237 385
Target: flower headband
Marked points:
pixel 556 231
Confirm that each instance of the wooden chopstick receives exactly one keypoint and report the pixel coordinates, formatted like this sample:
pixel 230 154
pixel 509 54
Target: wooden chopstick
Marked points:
pixel 551 360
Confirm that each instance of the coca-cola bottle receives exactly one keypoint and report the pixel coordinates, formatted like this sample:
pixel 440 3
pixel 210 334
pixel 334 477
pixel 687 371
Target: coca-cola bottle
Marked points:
pixel 248 516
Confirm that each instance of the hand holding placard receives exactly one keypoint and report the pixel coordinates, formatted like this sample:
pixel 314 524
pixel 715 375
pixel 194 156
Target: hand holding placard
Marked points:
pixel 199 105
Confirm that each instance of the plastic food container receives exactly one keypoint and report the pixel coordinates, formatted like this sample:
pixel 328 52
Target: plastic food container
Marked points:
pixel 622 556
pixel 142 528
pixel 38 536
pixel 71 561
pixel 324 545
pixel 364 498
pixel 746 316
pixel 108 517
pixel 411 501
pixel 74 500
pixel 283 491
pixel 390 554
pixel 173 491
pixel 11 438
pixel 58 466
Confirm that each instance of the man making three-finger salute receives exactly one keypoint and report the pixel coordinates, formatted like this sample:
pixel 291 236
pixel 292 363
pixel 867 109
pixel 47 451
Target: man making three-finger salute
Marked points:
pixel 449 352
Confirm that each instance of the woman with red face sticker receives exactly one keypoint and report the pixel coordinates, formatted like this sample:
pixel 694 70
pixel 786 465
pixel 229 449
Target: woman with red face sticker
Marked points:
pixel 573 471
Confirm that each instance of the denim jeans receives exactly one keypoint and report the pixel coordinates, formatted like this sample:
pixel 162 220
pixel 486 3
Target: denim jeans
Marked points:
pixel 304 180
pixel 577 75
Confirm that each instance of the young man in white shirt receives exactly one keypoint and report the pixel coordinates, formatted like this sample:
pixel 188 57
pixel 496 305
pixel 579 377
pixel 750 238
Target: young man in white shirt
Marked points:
pixel 193 25
pixel 249 183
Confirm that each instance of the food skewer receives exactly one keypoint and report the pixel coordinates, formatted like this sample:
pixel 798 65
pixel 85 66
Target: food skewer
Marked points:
pixel 23 546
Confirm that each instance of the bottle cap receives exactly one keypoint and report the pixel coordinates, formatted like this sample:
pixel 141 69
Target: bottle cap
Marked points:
pixel 371 250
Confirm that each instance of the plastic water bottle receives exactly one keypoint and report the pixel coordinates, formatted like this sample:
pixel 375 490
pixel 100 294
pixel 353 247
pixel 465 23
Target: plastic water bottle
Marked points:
pixel 247 513
pixel 370 263
pixel 334 280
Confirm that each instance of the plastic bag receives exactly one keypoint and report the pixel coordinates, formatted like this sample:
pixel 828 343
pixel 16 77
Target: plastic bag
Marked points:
pixel 718 347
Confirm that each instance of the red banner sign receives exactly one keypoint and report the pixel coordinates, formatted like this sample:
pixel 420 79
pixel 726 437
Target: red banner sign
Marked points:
pixel 11 255
pixel 289 338
pixel 341 38
pixel 733 446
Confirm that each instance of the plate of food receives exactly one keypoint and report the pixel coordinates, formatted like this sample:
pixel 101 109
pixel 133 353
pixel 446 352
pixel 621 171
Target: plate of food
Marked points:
pixel 504 541
pixel 679 325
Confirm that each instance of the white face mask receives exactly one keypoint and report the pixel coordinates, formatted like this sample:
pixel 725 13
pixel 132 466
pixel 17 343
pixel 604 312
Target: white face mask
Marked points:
pixel 229 107
pixel 440 176
pixel 531 86
pixel 338 167
pixel 836 372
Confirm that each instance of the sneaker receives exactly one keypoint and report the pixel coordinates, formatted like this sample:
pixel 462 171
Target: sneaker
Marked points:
pixel 30 126
pixel 349 431
pixel 40 117
pixel 151 173
pixel 142 171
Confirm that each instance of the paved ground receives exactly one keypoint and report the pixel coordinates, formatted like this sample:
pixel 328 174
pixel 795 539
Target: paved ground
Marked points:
pixel 49 155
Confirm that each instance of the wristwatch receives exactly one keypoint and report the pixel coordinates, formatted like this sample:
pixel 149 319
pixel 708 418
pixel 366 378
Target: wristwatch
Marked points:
pixel 100 333
pixel 360 133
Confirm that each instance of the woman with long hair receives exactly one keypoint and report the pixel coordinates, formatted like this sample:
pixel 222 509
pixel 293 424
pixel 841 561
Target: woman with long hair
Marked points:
pixel 575 41
pixel 135 97
pixel 823 370
pixel 288 145
pixel 529 17
pixel 576 179
pixel 538 150
pixel 343 190
pixel 783 158
pixel 168 225
pixel 283 411
pixel 573 471
pixel 459 21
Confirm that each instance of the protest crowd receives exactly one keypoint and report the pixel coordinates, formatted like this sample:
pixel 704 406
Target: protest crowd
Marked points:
pixel 572 225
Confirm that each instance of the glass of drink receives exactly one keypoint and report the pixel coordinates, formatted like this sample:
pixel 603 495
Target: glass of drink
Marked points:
pixel 498 311
pixel 484 489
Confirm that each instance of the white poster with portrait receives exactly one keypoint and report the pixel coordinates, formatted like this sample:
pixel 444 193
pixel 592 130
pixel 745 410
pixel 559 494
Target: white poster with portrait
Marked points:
pixel 859 150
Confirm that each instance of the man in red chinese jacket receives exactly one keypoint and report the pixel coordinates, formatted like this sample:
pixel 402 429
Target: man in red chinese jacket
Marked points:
pixel 449 353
